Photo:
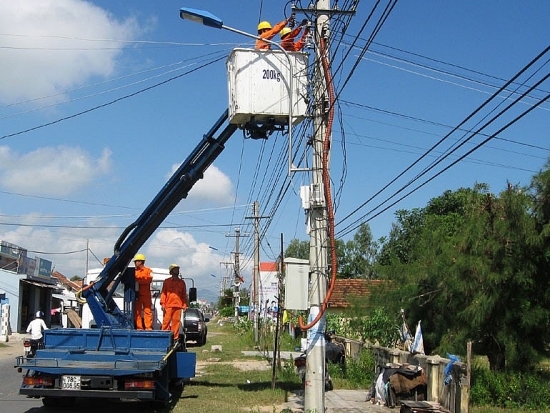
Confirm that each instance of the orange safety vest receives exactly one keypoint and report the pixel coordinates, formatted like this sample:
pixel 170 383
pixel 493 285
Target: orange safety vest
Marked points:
pixel 174 293
pixel 270 34
pixel 288 42
pixel 144 277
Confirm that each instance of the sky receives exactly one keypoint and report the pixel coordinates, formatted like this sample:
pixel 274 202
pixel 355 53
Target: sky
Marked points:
pixel 100 102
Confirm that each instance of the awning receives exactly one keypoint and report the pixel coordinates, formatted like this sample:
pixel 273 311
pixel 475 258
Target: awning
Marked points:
pixel 63 297
pixel 41 285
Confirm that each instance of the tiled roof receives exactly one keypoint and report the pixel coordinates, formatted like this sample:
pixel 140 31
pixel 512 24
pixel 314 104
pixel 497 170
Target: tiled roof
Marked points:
pixel 346 290
pixel 70 285
pixel 268 266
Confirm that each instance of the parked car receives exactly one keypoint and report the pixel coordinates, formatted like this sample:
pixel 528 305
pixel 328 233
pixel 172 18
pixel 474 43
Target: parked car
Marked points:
pixel 194 325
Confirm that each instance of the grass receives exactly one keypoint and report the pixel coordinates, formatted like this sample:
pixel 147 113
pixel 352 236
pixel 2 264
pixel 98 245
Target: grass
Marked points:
pixel 489 409
pixel 224 388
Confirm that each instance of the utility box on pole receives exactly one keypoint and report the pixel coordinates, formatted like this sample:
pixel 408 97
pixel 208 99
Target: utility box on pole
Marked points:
pixel 259 85
pixel 296 284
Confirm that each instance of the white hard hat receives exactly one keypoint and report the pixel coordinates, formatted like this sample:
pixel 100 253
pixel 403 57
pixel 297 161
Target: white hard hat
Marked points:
pixel 39 314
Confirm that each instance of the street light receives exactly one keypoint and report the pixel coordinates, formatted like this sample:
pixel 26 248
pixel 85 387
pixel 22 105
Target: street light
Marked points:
pixel 208 19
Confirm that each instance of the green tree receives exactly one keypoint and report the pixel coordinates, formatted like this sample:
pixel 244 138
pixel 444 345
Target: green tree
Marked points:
pixel 473 272
pixel 355 258
pixel 226 300
pixel 297 249
pixel 400 244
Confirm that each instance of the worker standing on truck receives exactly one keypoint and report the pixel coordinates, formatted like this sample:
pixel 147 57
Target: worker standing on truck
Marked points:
pixel 173 300
pixel 265 31
pixel 144 277
pixel 288 35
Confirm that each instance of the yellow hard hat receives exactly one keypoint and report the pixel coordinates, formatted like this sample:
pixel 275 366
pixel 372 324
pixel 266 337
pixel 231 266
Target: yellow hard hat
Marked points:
pixel 264 25
pixel 285 31
pixel 172 267
pixel 139 257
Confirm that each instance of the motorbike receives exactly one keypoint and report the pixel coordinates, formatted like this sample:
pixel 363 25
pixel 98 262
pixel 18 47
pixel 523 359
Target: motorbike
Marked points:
pixel 334 353
pixel 30 346
pixel 26 347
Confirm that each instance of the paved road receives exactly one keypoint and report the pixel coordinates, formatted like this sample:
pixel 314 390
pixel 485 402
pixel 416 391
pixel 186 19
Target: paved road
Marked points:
pixel 12 402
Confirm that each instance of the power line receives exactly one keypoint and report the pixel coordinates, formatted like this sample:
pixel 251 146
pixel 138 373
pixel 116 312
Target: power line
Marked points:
pixel 109 103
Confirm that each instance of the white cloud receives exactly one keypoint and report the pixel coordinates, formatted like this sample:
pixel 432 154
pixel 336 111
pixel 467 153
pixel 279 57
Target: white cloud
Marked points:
pixel 52 171
pixel 51 46
pixel 215 187
pixel 197 260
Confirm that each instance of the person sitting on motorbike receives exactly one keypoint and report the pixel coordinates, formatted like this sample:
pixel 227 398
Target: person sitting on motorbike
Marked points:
pixel 36 328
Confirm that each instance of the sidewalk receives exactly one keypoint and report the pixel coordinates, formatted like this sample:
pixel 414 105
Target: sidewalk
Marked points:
pixel 13 347
pixel 336 401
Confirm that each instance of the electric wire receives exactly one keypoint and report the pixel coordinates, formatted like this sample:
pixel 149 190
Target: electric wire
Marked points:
pixel 352 226
pixel 495 95
pixel 103 105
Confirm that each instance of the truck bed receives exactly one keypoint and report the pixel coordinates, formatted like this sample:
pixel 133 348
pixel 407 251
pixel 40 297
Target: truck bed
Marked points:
pixel 116 352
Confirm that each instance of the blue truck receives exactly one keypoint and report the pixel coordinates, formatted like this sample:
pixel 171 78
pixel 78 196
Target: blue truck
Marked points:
pixel 114 360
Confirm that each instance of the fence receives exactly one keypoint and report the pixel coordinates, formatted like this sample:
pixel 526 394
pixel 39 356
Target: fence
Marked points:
pixel 450 389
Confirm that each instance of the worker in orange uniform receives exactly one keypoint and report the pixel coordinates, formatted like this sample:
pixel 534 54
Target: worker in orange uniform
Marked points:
pixel 265 31
pixel 173 300
pixel 144 277
pixel 288 35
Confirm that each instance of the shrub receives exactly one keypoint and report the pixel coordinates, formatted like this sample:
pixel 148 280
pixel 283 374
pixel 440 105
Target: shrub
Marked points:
pixel 510 389
pixel 227 312
pixel 360 371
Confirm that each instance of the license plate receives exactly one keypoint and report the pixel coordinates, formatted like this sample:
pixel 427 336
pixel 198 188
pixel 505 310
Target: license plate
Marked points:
pixel 70 383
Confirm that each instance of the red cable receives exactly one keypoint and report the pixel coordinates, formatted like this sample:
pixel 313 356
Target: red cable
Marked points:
pixel 326 186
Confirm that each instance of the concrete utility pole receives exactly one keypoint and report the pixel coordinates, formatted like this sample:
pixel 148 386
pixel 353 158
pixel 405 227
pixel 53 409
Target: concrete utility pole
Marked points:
pixel 225 279
pixel 237 270
pixel 314 399
pixel 256 282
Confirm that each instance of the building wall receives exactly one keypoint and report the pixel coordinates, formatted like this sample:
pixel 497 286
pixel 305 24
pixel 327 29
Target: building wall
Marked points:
pixel 9 283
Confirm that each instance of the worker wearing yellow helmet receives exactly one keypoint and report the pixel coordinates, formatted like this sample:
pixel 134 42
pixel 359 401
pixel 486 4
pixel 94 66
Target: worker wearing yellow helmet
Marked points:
pixel 143 303
pixel 265 31
pixel 288 35
pixel 173 300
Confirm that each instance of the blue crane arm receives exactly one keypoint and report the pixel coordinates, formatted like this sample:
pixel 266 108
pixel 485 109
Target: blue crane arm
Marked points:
pixel 99 294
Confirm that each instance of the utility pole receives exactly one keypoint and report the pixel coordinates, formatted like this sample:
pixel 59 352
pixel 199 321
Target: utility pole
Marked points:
pixel 314 394
pixel 237 270
pixel 256 281
pixel 314 398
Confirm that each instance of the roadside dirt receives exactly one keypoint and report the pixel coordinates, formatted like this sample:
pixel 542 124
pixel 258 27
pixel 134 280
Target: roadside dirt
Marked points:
pixel 244 365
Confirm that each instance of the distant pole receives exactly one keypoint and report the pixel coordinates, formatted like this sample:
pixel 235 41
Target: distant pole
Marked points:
pixel 276 349
pixel 237 270
pixel 256 282
pixel 255 305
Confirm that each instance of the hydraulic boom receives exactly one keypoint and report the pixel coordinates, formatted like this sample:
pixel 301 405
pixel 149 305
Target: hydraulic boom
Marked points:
pixel 99 293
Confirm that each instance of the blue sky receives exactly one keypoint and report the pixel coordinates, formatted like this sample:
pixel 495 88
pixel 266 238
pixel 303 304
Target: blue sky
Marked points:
pixel 101 100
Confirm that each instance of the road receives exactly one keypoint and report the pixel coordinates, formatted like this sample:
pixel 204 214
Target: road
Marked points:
pixel 12 402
